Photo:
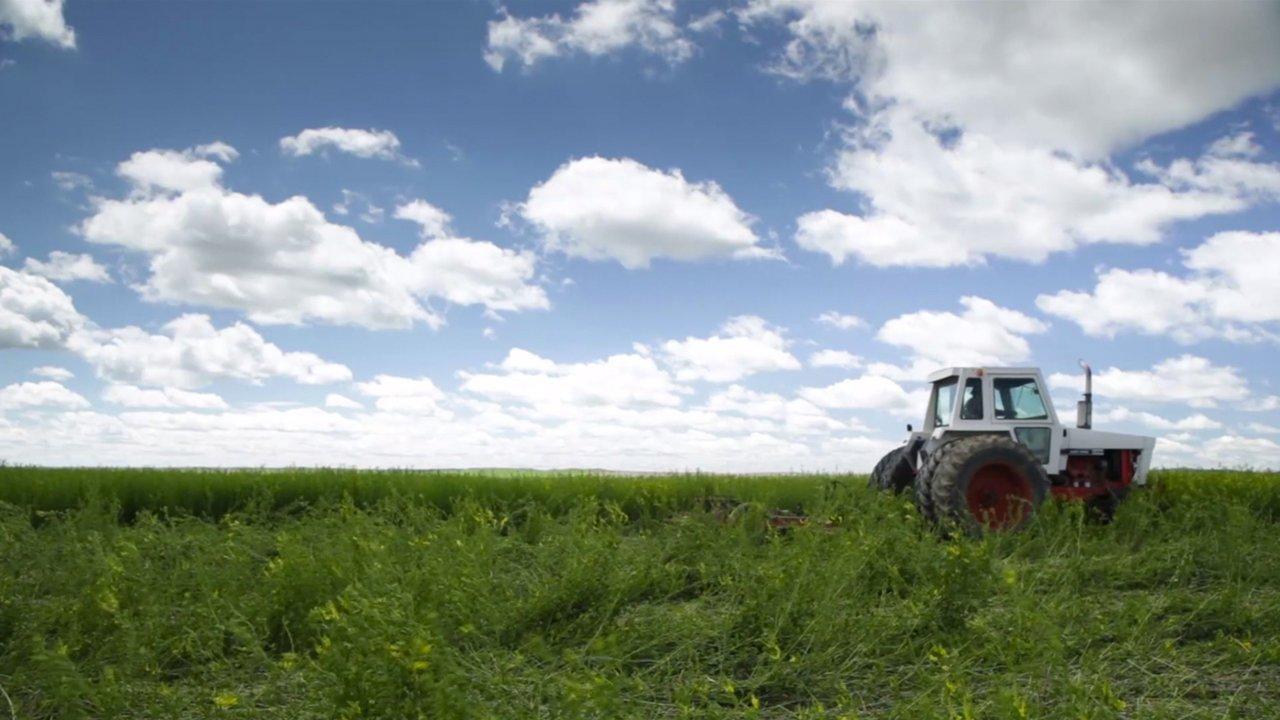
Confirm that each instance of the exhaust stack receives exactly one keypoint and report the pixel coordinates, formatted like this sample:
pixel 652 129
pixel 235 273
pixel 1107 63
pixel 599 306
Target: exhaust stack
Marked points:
pixel 1084 408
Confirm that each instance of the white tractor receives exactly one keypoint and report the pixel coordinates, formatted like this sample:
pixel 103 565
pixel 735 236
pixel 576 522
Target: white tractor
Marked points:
pixel 991 449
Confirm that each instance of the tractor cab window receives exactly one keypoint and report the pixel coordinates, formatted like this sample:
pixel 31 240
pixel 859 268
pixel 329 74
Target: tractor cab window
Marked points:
pixel 1018 399
pixel 971 406
pixel 944 401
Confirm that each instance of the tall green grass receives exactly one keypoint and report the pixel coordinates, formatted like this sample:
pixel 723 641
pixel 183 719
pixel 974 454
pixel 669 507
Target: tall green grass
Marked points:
pixel 408 595
pixel 213 493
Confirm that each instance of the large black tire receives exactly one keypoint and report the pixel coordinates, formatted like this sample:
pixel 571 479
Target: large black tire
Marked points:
pixel 893 472
pixel 922 488
pixel 984 483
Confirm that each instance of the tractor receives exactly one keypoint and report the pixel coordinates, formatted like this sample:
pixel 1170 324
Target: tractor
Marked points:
pixel 991 450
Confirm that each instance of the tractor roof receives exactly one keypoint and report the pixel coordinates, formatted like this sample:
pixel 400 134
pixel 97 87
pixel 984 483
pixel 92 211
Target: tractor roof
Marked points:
pixel 953 371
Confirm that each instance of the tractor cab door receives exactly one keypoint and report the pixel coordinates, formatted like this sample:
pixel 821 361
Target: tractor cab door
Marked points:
pixel 942 404
pixel 938 415
pixel 1020 402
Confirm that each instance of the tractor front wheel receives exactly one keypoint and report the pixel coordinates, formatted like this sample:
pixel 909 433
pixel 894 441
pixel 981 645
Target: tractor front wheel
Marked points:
pixel 986 483
pixel 893 472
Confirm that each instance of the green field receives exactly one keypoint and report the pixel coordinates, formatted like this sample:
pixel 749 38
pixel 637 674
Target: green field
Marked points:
pixel 319 594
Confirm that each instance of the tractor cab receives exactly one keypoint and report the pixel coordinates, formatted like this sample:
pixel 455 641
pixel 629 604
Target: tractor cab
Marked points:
pixel 1011 401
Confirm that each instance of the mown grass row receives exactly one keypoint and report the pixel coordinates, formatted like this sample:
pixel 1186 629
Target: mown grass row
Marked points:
pixel 605 598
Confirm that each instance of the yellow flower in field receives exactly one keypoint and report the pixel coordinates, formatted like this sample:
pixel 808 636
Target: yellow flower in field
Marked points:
pixel 226 701
pixel 107 601
pixel 419 665
pixel 329 611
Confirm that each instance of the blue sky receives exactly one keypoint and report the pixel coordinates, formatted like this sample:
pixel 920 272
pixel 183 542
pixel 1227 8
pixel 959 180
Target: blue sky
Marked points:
pixel 626 233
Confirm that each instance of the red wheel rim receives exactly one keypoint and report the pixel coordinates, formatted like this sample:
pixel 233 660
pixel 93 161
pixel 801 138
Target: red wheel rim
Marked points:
pixel 999 496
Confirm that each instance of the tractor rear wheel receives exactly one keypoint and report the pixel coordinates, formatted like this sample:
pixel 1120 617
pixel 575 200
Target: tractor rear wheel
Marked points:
pixel 893 472
pixel 986 483
pixel 921 487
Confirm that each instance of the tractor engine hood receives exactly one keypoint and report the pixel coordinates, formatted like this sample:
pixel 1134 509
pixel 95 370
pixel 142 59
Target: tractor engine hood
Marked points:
pixel 1082 439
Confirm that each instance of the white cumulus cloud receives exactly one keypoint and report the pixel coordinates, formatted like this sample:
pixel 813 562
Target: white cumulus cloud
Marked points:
pixel 841 321
pixel 604 209
pixel 868 392
pixel 1081 77
pixel 34 313
pixel 1231 292
pixel 410 396
pixel 43 394
pixel 174 170
pixel 745 345
pixel 369 144
pixel 1224 451
pixel 597 27
pixel 431 220
pixel 796 414
pixel 135 397
pixel 986 130
pixel 341 402
pixel 983 334
pixel 67 267
pixel 1191 423
pixel 617 381
pixel 53 372
pixel 190 353
pixel 939 202
pixel 285 262
pixel 1186 379
pixel 40 19
pixel 835 358
pixel 473 272
pixel 1227 167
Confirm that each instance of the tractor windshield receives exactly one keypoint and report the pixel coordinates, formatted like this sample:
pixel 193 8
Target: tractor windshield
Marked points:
pixel 1018 399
